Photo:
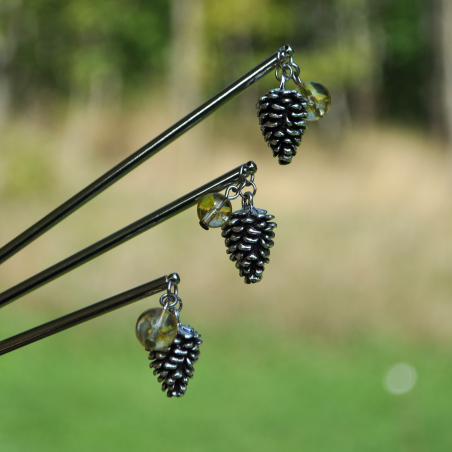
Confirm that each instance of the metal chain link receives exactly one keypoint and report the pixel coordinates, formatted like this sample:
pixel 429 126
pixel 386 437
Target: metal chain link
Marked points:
pixel 287 69
pixel 247 197
pixel 245 171
pixel 170 299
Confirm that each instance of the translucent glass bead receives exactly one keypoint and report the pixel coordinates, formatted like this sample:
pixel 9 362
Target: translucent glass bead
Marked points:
pixel 214 210
pixel 156 329
pixel 319 99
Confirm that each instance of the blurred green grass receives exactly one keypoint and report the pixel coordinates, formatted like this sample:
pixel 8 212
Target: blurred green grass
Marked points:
pixel 358 281
pixel 256 387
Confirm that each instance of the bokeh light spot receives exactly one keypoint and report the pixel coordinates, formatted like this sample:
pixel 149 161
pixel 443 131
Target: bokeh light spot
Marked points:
pixel 400 379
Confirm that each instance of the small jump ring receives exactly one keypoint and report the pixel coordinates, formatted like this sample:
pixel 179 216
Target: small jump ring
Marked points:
pixel 171 284
pixel 287 70
pixel 296 69
pixel 168 301
pixel 235 189
pixel 165 304
pixel 244 195
pixel 173 301
pixel 249 182
pixel 247 199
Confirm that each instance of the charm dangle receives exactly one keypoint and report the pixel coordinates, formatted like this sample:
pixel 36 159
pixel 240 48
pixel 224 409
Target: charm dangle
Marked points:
pixel 249 237
pixel 283 113
pixel 173 347
pixel 215 209
pixel 174 366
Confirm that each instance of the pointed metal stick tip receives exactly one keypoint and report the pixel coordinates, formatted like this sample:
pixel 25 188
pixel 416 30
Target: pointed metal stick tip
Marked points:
pixel 251 166
pixel 287 48
pixel 174 277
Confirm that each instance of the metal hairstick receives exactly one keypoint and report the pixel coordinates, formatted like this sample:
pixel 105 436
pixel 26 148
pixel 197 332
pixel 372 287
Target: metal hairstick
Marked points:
pixel 247 169
pixel 86 314
pixel 140 156
pixel 123 235
pixel 173 347
pixel 283 112
pixel 171 298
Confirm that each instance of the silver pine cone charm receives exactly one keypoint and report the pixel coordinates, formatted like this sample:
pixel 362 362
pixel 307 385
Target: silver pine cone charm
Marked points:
pixel 282 117
pixel 174 366
pixel 249 237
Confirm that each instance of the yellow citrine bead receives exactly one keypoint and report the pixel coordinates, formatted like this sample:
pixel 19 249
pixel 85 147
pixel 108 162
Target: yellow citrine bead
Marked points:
pixel 156 329
pixel 319 100
pixel 214 210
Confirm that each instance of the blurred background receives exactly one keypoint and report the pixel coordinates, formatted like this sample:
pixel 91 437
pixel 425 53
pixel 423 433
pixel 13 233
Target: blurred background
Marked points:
pixel 346 343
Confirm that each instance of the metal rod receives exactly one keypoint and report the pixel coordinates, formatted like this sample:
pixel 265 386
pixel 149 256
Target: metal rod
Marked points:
pixel 136 159
pixel 121 236
pixel 83 315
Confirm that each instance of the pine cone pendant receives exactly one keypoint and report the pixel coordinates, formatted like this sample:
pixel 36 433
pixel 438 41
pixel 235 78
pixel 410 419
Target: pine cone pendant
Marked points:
pixel 282 117
pixel 249 235
pixel 174 366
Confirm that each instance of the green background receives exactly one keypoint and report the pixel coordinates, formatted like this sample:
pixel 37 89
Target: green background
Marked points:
pixel 360 274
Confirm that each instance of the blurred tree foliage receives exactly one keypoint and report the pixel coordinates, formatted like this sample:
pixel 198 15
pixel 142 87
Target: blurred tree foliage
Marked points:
pixel 366 49
pixel 64 45
pixel 408 65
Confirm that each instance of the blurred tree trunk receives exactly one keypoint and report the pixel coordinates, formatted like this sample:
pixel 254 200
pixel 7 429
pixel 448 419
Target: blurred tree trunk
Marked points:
pixel 442 82
pixel 446 54
pixel 185 80
pixel 4 97
pixel 89 104
pixel 356 26
pixel 7 51
pixel 186 58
